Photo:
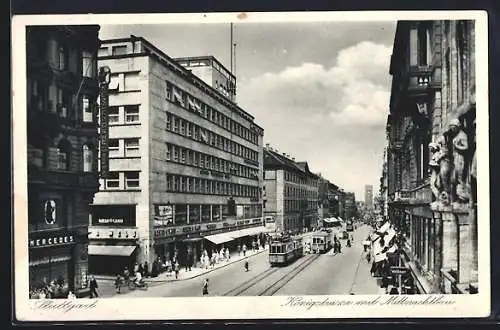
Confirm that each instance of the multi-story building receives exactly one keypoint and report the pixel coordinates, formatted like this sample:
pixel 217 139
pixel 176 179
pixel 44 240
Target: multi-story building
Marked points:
pixel 62 91
pixel 328 197
pixel 383 189
pixel 185 163
pixel 431 163
pixel 291 191
pixel 349 209
pixel 368 196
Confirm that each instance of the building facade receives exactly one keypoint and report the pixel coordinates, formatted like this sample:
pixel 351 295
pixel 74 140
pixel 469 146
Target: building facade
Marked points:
pixel 431 164
pixel 350 207
pixel 368 196
pixel 291 192
pixel 185 163
pixel 62 91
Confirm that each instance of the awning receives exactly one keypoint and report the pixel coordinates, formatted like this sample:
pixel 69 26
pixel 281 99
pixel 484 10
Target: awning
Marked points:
pixel 384 227
pixel 248 232
pixel 111 250
pixel 331 220
pixel 220 238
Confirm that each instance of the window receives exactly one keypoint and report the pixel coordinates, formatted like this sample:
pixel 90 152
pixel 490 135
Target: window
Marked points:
pixel 176 153
pixel 169 182
pixel 176 183
pixel 189 130
pixel 131 147
pixel 113 180
pixel 169 122
pixel 168 91
pixel 132 179
pixel 87 110
pixel 63 102
pixel 176 124
pixel 422 45
pixel 87 64
pixel 119 50
pixel 190 184
pixel 183 155
pixel 88 158
pixel 183 184
pixel 113 115
pixel 114 148
pixel 132 113
pixel 168 154
pixel 62 58
pixel 63 152
pixel 183 127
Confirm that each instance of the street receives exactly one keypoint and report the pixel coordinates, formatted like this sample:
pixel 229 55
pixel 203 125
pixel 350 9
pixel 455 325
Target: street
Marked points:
pixel 327 274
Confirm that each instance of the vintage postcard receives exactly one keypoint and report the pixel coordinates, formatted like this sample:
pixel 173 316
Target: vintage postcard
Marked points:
pixel 251 166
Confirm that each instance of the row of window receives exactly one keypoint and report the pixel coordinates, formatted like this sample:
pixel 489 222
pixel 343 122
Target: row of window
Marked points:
pixel 61 102
pixel 59 158
pixel 130 114
pixel 186 184
pixel 189 102
pixel 210 212
pixel 293 177
pixel 297 192
pixel 294 205
pixel 181 126
pixel 127 180
pixel 183 155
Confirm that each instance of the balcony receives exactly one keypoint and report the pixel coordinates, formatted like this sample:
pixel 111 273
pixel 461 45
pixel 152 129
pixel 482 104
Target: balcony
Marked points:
pixel 419 80
pixel 421 194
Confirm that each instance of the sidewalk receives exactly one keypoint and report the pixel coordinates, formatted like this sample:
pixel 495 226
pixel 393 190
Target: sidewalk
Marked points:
pixel 106 283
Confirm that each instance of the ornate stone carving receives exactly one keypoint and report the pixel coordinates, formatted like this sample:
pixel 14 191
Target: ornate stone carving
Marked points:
pixel 460 144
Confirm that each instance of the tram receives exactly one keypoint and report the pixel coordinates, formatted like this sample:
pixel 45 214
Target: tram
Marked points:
pixel 321 241
pixel 285 249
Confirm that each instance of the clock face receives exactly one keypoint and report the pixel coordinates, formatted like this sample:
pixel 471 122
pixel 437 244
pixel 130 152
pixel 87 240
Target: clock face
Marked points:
pixel 50 212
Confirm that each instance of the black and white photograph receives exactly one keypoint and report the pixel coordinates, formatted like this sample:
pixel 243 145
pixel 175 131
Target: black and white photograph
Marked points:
pixel 251 166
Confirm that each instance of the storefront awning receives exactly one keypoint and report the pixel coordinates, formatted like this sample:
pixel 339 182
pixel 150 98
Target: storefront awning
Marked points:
pixel 220 238
pixel 384 228
pixel 111 250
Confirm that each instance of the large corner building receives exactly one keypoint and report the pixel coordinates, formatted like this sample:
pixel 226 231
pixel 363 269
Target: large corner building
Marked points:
pixel 185 161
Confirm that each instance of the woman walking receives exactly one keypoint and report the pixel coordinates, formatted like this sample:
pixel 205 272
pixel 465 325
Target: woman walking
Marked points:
pixel 204 289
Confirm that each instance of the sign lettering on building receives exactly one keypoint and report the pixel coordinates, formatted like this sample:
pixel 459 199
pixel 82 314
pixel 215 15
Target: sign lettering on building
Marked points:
pixel 113 215
pixel 104 79
pixel 52 240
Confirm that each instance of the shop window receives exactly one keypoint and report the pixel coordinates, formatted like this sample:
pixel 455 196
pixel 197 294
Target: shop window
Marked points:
pixel 113 115
pixel 63 155
pixel 132 113
pixel 88 64
pixel 131 179
pixel 113 180
pixel 114 148
pixel 88 158
pixel 132 147
pixel 180 214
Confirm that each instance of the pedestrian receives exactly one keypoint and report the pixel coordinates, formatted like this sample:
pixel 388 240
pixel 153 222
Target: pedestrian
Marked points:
pixel 228 256
pixel 71 295
pixel 244 249
pixel 204 290
pixel 118 283
pixel 93 287
pixel 146 269
pixel 126 275
pixel 176 269
pixel 136 267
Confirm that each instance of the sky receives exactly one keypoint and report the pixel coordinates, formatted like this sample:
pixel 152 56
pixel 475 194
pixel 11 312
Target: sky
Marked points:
pixel 320 90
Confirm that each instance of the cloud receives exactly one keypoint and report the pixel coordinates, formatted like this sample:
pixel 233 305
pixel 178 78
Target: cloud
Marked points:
pixel 333 116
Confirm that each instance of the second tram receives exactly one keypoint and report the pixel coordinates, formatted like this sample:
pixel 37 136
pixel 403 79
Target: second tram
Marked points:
pixel 321 242
pixel 284 250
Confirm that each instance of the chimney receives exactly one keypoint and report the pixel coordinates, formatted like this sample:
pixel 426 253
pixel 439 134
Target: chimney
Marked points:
pixel 287 155
pixel 293 158
pixel 284 154
pixel 267 145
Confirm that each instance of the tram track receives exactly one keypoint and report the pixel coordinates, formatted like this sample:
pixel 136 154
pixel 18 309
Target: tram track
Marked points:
pixel 282 281
pixel 276 285
pixel 250 282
